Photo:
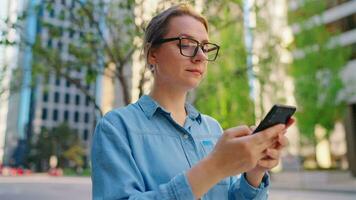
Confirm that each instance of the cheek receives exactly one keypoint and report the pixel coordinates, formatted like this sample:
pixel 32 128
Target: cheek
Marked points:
pixel 170 54
pixel 171 61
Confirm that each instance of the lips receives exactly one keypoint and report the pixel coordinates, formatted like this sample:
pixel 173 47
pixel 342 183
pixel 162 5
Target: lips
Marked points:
pixel 195 71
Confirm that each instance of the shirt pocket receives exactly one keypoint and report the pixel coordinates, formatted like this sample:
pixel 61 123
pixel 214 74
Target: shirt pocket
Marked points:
pixel 207 145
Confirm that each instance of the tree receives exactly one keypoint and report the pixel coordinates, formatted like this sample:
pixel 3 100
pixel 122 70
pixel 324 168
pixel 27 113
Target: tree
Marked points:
pixel 269 68
pixel 108 36
pixel 316 71
pixel 224 94
pixel 62 142
pixel 3 88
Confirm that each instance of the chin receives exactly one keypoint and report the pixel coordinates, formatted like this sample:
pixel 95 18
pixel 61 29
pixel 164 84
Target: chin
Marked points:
pixel 192 85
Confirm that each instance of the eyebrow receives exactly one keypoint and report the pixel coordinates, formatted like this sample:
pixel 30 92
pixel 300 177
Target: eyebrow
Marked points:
pixel 189 36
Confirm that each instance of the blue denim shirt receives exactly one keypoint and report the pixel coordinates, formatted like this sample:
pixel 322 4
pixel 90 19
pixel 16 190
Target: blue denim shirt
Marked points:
pixel 140 152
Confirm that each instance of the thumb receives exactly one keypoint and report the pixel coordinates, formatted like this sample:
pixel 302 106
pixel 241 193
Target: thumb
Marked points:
pixel 238 131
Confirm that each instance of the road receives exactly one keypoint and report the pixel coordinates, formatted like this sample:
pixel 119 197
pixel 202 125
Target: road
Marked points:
pixel 52 188
pixel 278 194
pixel 44 188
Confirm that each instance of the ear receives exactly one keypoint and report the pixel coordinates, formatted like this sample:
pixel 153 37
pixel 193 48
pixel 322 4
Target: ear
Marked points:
pixel 152 56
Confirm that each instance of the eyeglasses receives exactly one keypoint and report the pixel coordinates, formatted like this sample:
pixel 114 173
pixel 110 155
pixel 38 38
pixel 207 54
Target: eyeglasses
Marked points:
pixel 189 47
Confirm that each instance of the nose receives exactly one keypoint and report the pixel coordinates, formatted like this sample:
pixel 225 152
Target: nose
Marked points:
pixel 200 56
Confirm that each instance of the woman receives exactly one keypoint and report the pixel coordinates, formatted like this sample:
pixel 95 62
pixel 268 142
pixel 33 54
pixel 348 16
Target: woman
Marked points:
pixel 161 147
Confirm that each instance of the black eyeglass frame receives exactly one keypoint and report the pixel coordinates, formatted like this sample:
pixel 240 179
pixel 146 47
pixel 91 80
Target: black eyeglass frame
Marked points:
pixel 164 40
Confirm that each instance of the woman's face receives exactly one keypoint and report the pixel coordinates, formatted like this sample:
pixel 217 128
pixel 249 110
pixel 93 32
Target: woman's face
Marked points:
pixel 174 69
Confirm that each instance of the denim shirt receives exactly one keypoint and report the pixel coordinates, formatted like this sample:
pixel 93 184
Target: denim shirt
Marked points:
pixel 140 152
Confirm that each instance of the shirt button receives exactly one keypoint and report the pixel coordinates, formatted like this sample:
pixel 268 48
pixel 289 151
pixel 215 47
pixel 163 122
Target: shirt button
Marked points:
pixel 185 136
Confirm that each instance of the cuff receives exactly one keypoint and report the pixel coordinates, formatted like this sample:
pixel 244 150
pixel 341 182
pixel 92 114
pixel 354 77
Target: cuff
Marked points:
pixel 250 191
pixel 181 188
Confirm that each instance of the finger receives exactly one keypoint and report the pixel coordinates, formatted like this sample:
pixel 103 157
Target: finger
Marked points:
pixel 265 137
pixel 273 154
pixel 290 122
pixel 238 131
pixel 282 142
pixel 268 163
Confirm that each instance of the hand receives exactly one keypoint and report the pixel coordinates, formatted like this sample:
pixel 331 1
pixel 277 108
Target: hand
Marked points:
pixel 271 159
pixel 238 150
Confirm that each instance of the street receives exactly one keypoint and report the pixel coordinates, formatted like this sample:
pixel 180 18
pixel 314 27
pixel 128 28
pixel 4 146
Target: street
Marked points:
pixel 58 188
pixel 278 194
pixel 44 188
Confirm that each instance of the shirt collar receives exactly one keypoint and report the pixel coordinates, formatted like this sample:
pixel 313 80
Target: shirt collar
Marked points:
pixel 150 106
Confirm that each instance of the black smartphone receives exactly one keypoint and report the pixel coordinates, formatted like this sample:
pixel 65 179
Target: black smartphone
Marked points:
pixel 279 114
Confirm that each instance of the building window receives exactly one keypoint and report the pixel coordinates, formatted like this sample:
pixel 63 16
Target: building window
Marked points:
pixel 67 84
pixel 353 52
pixel 85 134
pixel 39 28
pixel 87 101
pixel 66 115
pixel 56 97
pixel 342 25
pixel 44 113
pixel 62 15
pixel 67 98
pixel 49 43
pixel 60 46
pixel 52 13
pixel 55 115
pixel 77 99
pixel 58 81
pixel 86 117
pixel 76 116
pixel 45 96
pixel 71 33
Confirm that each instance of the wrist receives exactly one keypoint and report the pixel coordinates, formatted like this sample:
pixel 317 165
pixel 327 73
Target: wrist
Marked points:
pixel 213 168
pixel 203 176
pixel 254 177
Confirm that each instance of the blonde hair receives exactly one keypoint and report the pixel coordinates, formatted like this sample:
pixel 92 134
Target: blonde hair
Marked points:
pixel 158 26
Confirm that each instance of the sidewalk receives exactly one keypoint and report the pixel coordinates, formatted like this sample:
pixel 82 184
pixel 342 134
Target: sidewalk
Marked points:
pixel 331 181
pixel 45 178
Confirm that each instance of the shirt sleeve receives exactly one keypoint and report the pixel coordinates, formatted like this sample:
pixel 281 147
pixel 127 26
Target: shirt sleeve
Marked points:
pixel 241 189
pixel 115 174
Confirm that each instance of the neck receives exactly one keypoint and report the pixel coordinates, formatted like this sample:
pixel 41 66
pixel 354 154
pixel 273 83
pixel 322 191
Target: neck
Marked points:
pixel 171 99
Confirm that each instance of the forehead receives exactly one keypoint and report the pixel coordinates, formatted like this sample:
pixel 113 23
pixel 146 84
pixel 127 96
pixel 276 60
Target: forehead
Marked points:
pixel 187 25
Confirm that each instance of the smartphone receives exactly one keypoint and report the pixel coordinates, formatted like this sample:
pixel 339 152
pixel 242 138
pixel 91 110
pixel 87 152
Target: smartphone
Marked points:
pixel 279 114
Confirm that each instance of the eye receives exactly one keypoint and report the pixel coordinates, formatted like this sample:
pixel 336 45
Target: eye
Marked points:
pixel 184 46
pixel 187 43
pixel 209 47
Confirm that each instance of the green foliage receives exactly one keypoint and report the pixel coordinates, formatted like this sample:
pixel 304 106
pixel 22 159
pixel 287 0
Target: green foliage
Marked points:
pixel 306 10
pixel 74 172
pixel 316 74
pixel 224 94
pixel 61 141
pixel 269 65
pixel 100 33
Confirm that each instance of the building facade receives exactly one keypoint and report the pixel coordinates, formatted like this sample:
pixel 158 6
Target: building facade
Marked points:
pixel 339 17
pixel 14 104
pixel 46 102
